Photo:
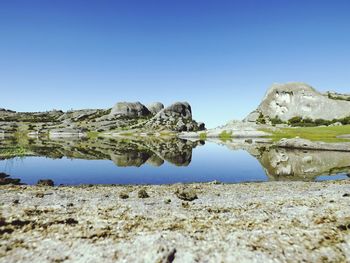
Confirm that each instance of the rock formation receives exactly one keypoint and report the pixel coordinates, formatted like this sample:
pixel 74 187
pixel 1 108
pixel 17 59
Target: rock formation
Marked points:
pixel 286 101
pixel 177 116
pixel 123 116
pixel 130 109
pixel 155 107
pixel 298 143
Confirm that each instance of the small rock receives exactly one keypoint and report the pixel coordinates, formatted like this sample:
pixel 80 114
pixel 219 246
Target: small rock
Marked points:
pixel 342 227
pixel 45 182
pixel 123 195
pixel 186 194
pixel 4 179
pixel 167 201
pixel 170 257
pixel 15 202
pixel 250 141
pixel 39 195
pixel 71 221
pixel 201 126
pixel 142 194
pixel 346 195
pixel 185 204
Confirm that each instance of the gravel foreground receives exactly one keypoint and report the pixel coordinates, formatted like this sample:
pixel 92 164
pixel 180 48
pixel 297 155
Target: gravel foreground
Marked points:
pixel 252 222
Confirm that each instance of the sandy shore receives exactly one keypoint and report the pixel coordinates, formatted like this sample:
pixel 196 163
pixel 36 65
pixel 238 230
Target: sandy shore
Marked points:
pixel 253 222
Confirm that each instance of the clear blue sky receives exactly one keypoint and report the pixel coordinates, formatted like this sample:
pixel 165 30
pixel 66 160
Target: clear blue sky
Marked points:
pixel 219 55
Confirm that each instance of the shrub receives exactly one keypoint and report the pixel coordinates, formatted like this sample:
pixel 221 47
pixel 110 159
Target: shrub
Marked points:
pixel 345 120
pixel 320 122
pixel 276 120
pixel 295 120
pixel 203 136
pixel 261 119
pixel 224 135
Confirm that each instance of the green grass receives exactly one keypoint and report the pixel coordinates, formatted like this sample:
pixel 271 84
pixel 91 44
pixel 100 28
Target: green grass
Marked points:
pixel 128 134
pixel 224 135
pixel 16 151
pixel 92 134
pixel 203 136
pixel 167 134
pixel 325 134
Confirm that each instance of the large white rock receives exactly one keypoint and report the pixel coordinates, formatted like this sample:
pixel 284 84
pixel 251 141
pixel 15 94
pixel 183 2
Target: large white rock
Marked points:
pixel 299 99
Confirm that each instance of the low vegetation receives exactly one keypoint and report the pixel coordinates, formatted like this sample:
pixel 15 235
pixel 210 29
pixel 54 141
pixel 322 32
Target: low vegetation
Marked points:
pixel 307 122
pixel 298 121
pixel 335 97
pixel 14 151
pixel 203 136
pixel 93 135
pixel 224 135
pixel 261 119
pixel 326 134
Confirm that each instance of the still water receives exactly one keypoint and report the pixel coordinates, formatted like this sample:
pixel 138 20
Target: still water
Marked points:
pixel 154 161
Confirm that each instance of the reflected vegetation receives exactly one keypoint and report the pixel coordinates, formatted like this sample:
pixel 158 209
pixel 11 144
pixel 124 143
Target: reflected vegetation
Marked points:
pixel 278 163
pixel 124 152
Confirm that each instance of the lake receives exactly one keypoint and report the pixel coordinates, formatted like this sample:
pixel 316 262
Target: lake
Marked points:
pixel 163 161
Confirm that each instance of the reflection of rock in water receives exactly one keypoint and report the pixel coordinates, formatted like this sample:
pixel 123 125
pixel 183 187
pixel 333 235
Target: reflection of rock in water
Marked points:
pixel 155 160
pixel 5 179
pixel 122 151
pixel 178 151
pixel 288 164
pixel 179 159
pixel 130 158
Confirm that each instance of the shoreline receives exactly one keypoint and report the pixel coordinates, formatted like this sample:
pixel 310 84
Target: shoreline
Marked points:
pixel 242 222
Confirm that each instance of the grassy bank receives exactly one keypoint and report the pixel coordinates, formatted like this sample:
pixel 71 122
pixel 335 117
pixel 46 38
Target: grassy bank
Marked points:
pixel 14 151
pixel 325 134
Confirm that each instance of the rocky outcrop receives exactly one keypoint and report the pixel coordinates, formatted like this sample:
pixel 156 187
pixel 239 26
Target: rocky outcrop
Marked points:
pixel 66 132
pixel 176 117
pixel 155 107
pixel 130 109
pixel 178 109
pixel 132 116
pixel 286 101
pixel 231 130
pixel 298 143
pixel 2 110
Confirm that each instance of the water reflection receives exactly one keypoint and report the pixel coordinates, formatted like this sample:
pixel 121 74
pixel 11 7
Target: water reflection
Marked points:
pixel 289 164
pixel 123 152
pixel 292 164
pixel 277 163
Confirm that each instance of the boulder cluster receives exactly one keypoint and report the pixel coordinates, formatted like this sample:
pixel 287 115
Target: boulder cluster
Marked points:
pixel 176 117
